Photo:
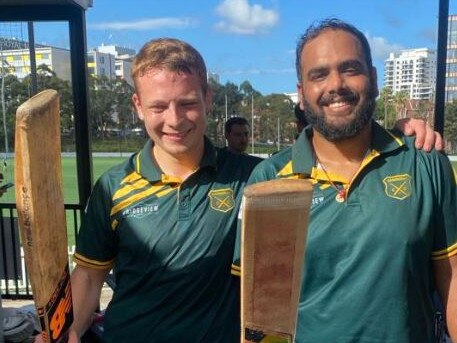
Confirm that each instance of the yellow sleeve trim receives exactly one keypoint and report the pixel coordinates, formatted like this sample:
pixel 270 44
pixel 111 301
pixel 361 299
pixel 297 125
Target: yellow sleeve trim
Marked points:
pixel 445 253
pixel 87 262
pixel 236 270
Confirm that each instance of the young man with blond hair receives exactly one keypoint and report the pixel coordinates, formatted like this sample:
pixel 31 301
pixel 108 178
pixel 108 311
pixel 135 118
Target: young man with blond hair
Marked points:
pixel 165 219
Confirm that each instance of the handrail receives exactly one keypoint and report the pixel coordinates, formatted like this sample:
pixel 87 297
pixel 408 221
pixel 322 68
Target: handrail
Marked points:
pixel 14 280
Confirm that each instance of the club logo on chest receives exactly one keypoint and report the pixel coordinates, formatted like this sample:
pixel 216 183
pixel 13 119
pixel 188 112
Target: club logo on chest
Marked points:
pixel 221 199
pixel 398 186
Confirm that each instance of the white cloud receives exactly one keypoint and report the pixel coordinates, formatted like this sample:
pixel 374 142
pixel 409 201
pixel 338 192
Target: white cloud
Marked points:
pixel 239 17
pixel 146 24
pixel 380 47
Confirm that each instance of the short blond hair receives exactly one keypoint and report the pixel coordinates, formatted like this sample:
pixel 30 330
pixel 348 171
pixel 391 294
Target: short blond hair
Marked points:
pixel 170 54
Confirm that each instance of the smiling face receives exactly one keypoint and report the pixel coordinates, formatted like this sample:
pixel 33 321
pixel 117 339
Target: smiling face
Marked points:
pixel 338 89
pixel 173 107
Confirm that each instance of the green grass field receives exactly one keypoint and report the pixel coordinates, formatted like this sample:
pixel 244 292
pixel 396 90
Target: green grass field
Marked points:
pixel 70 184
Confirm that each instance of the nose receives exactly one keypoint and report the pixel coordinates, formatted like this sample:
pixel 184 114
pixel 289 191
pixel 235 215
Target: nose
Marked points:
pixel 335 82
pixel 173 116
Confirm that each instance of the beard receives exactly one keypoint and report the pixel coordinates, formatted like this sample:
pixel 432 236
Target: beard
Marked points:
pixel 363 113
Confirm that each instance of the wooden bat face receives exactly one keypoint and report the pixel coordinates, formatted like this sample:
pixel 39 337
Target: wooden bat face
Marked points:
pixel 275 220
pixel 41 211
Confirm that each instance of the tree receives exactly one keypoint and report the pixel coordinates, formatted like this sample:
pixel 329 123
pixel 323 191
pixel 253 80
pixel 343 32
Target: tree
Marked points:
pixel 215 126
pixel 234 99
pixel 400 99
pixel 386 97
pixel 270 111
pixel 227 101
pixel 424 110
pixel 102 105
pixel 247 91
pixel 450 124
pixel 47 79
pixel 126 119
pixel 14 93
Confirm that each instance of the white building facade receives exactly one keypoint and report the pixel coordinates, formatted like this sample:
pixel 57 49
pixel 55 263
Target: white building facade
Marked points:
pixel 451 60
pixel 412 71
pixel 101 64
pixel 123 60
pixel 293 97
pixel 17 61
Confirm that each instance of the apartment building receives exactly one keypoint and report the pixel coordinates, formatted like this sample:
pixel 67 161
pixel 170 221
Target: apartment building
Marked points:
pixel 15 59
pixel 111 61
pixel 412 71
pixel 101 64
pixel 123 60
pixel 451 60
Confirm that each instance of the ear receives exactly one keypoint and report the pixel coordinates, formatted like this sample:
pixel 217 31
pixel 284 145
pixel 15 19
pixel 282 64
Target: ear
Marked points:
pixel 374 81
pixel 137 104
pixel 300 95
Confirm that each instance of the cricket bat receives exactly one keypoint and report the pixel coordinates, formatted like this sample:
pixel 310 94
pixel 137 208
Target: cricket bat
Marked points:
pixel 40 207
pixel 274 229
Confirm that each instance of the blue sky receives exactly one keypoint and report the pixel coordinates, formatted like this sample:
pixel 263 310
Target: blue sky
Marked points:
pixel 253 40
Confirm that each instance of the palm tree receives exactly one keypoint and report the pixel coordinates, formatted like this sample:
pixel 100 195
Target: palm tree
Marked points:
pixel 386 96
pixel 400 100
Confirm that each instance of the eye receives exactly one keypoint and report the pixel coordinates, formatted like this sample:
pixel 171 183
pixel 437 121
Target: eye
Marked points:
pixel 317 75
pixel 189 103
pixel 352 68
pixel 158 109
pixel 352 71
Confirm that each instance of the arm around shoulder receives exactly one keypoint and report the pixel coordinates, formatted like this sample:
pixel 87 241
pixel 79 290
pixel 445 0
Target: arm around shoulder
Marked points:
pixel 426 138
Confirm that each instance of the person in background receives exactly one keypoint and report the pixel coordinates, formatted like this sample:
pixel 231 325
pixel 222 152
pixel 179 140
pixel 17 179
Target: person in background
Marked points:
pixel 236 131
pixel 382 234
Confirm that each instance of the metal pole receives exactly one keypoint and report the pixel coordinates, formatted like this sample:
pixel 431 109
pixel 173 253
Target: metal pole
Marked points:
pixel 81 103
pixel 441 65
pixel 226 116
pixel 32 56
pixel 252 123
pixel 3 103
pixel 279 137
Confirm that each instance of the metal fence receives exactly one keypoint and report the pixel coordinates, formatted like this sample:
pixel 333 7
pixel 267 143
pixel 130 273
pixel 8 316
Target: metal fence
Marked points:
pixel 14 280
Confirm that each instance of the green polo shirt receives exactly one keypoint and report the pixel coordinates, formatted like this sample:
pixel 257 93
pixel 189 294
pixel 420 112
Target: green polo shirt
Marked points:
pixel 171 245
pixel 367 276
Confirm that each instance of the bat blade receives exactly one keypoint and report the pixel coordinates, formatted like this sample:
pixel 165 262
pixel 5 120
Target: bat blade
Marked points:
pixel 274 229
pixel 41 212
